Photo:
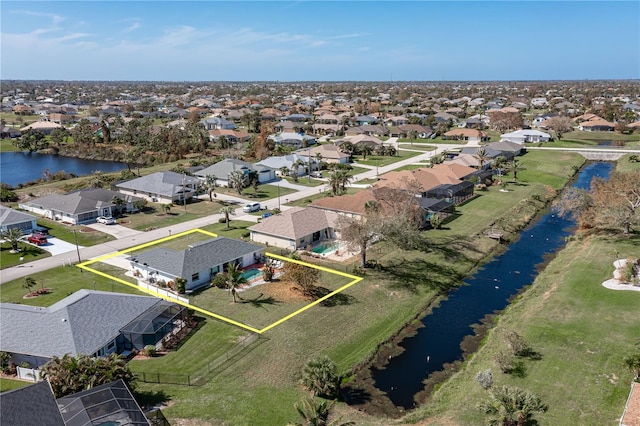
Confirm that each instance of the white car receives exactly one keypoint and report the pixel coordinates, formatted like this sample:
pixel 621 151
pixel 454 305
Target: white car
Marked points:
pixel 107 220
pixel 251 207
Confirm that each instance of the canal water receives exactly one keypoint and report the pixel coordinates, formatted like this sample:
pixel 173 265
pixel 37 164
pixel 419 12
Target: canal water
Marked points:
pixel 488 291
pixel 22 167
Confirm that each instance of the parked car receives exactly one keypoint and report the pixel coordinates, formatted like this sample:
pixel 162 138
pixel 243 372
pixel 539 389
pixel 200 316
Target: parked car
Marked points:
pixel 37 239
pixel 316 174
pixel 251 207
pixel 40 230
pixel 107 220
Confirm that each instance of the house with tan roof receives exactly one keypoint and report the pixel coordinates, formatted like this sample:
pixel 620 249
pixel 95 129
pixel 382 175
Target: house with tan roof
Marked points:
pixel 471 135
pixel 44 127
pixel 601 125
pixel 296 228
pixel 328 153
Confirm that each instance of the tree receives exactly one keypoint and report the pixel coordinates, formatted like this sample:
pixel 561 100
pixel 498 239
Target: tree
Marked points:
pixel 254 179
pixel 303 276
pixel 632 362
pixel 518 345
pixel 515 166
pixel 226 211
pixel 320 377
pixel 12 236
pixel 166 207
pixel 482 157
pixel 511 406
pixel 316 413
pixel 140 204
pixel 31 140
pixel 238 180
pixel 338 180
pixel 295 167
pixel 234 279
pixel 284 171
pixel 348 148
pixel 28 283
pixel 366 149
pixel 7 194
pixel 119 203
pixel 210 183
pixel 69 375
pixel 609 203
pixel 359 233
pixel 559 125
pixel 485 379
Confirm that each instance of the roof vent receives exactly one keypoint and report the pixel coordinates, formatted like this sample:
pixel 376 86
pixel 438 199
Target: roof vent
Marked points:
pixel 64 320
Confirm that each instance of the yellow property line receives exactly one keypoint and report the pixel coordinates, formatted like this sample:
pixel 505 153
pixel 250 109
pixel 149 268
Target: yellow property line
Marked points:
pixel 85 266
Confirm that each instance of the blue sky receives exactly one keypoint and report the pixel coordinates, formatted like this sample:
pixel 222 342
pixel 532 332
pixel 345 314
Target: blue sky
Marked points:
pixel 323 40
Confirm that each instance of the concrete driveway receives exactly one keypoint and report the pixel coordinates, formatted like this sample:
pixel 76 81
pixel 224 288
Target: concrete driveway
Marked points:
pixel 117 231
pixel 57 246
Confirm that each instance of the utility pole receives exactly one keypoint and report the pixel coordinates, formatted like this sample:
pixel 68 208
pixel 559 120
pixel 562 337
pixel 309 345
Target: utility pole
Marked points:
pixel 278 196
pixel 75 236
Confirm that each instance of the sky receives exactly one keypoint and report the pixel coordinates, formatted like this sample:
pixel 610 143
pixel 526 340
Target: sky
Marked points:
pixel 319 40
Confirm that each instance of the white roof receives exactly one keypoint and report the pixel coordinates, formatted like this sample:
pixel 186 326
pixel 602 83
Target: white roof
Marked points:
pixel 526 132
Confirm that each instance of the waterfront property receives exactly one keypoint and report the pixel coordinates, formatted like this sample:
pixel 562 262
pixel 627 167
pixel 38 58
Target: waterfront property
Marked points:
pixel 222 169
pixel 87 322
pixel 161 187
pixel 81 206
pixel 197 264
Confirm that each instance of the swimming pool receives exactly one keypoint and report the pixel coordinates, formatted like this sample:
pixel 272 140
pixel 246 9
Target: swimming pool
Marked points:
pixel 325 248
pixel 251 274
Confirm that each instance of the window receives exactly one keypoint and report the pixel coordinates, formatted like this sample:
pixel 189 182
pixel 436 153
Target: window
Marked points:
pixel 195 277
pixel 111 345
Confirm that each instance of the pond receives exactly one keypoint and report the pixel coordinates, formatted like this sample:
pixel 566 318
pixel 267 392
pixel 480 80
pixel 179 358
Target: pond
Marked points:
pixel 22 167
pixel 437 342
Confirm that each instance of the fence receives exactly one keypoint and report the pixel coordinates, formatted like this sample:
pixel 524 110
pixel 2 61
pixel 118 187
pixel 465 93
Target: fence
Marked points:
pixel 28 374
pixel 210 370
pixel 162 292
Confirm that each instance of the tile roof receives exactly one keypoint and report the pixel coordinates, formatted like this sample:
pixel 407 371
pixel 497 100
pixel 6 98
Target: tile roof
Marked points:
pixel 78 324
pixel 296 223
pixel 197 257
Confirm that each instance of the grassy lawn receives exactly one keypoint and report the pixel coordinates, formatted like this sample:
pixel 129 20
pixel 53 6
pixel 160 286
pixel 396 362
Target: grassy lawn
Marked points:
pixel 305 181
pixel 582 332
pixel 28 253
pixel 624 165
pixel 265 191
pixel 9 384
pixel 582 136
pixel 153 217
pixel 63 281
pixel 384 160
pixel 86 236
pixel 18 120
pixel 6 145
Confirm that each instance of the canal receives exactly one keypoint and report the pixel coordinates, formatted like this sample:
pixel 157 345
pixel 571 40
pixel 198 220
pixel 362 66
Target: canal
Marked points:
pixel 438 341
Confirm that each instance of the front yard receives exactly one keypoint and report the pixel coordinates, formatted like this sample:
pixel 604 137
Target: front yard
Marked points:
pixel 27 253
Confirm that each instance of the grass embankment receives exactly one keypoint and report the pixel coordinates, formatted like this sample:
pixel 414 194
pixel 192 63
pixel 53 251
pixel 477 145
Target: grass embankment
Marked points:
pixel 581 330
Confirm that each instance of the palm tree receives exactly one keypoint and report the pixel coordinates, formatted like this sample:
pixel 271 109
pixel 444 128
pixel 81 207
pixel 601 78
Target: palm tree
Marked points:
pixel 119 204
pixel 316 413
pixel 284 171
pixel 511 406
pixel 515 166
pixel 211 183
pixel 226 211
pixel 318 161
pixel 237 180
pixel 28 283
pixel 295 167
pixel 348 148
pixel 12 236
pixel 482 157
pixel 320 376
pixel 338 180
pixel 366 149
pixel 254 179
pixel 632 362
pixel 412 135
pixel 234 279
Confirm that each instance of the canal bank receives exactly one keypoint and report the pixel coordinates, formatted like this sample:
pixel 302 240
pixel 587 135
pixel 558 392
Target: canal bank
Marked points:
pixel 429 350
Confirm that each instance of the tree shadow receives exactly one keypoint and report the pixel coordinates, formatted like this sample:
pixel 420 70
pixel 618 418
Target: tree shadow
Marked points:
pixel 416 273
pixel 518 370
pixel 335 300
pixel 259 301
pixel 151 398
pixel 354 396
pixel 530 354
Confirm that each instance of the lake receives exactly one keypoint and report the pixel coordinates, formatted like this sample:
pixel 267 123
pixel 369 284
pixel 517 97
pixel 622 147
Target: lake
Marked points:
pixel 22 167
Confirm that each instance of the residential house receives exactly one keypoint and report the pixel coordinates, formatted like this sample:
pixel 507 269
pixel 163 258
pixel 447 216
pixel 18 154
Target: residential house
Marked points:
pixel 108 404
pixel 296 140
pixel 222 169
pixel 327 153
pixel 197 264
pixel 218 123
pixel 232 136
pixel 526 135
pixel 296 228
pixel 161 187
pixel 539 119
pixel 371 141
pixel 597 126
pixel 10 219
pixel 422 132
pixel 363 120
pixel 288 161
pixel 95 323
pixel 507 147
pixel 9 132
pixel 81 206
pixel 434 207
pixel 471 135
pixel 44 127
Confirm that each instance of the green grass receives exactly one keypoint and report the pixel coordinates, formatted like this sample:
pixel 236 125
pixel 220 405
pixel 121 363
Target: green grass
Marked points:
pixel 582 332
pixel 265 192
pixel 63 281
pixel 380 160
pixel 153 217
pixel 305 181
pixel 86 236
pixel 28 253
pixel 624 165
pixel 9 384
pixel 580 135
pixel 6 145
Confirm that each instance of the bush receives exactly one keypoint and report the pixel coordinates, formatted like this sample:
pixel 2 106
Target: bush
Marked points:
pixel 518 345
pixel 150 350
pixel 222 220
pixel 246 234
pixel 485 379
pixel 220 280
pixel 504 361
pixel 5 357
pixel 320 376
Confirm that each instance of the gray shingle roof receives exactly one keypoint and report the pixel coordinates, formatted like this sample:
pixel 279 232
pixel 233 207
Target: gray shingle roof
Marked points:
pixel 10 216
pixel 82 201
pixel 197 257
pixel 161 183
pixel 31 405
pixel 222 168
pixel 79 324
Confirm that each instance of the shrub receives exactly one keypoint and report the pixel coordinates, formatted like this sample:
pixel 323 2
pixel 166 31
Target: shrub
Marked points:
pixel 485 379
pixel 150 350
pixel 504 361
pixel 222 220
pixel 320 376
pixel 181 285
pixel 246 234
pixel 518 345
pixel 220 280
pixel 5 357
